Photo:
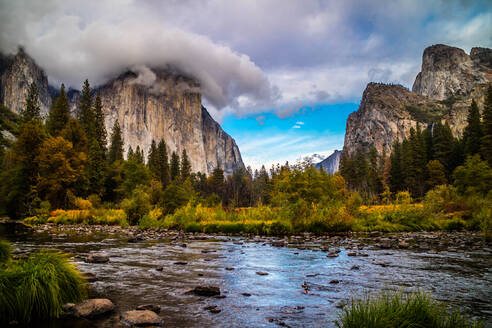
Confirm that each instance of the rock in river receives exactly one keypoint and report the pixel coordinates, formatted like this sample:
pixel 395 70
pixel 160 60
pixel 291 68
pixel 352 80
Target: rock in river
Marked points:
pixel 150 307
pixel 141 318
pixel 206 290
pixel 97 258
pixel 93 307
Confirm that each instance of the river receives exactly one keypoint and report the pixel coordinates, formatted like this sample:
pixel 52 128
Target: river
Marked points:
pixel 303 288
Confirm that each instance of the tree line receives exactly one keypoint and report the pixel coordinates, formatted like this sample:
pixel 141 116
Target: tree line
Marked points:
pixel 429 157
pixel 60 158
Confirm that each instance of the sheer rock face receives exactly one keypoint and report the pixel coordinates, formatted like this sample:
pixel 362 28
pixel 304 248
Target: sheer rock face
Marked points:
pixel 331 163
pixel 17 72
pixel 170 109
pixel 442 91
pixel 449 71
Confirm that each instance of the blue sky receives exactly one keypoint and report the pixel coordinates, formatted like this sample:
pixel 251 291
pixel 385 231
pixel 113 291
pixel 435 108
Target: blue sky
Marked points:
pixel 268 59
pixel 266 139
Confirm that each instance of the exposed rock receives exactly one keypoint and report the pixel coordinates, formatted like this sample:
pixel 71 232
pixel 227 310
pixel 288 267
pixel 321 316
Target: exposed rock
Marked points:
pixel 449 71
pixel 206 290
pixel 351 254
pixel 17 72
pixel 93 308
pixel 150 307
pixel 335 281
pixel 442 91
pixel 68 307
pixel 97 258
pixel 89 276
pixel 331 163
pixel 261 273
pixel 141 318
pixel 170 109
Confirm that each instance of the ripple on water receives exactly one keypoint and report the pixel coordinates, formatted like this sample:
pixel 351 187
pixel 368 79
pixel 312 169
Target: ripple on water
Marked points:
pixel 297 290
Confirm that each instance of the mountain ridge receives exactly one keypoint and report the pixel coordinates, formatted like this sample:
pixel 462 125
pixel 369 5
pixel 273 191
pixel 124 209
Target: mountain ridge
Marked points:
pixel 169 107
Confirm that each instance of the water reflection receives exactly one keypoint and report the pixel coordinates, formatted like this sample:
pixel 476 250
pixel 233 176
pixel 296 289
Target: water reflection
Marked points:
pixel 131 279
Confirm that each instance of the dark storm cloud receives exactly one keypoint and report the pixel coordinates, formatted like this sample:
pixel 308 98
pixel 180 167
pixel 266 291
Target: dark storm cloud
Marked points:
pixel 248 55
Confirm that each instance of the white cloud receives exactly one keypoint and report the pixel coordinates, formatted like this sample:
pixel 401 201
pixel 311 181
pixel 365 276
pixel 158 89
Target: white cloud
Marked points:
pixel 249 56
pixel 296 127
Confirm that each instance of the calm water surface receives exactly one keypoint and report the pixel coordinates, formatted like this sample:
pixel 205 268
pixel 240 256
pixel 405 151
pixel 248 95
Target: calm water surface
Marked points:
pixel 130 279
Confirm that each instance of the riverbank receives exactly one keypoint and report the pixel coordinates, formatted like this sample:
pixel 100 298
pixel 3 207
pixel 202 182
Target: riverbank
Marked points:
pixel 264 281
pixel 422 240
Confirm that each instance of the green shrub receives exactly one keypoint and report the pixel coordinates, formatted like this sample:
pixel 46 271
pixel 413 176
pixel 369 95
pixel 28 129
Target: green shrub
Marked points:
pixel 37 287
pixel 401 310
pixel 5 251
pixel 280 228
pixel 443 198
pixel 455 224
pixel 137 206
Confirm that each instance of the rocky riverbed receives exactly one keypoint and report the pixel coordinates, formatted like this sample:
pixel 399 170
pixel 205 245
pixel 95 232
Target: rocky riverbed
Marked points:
pixel 198 280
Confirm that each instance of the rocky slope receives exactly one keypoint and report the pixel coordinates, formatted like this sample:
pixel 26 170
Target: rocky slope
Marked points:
pixel 331 163
pixel 443 91
pixel 169 107
pixel 16 74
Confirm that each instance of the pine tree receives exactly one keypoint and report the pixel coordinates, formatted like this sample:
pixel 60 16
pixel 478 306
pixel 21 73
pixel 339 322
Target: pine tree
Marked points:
pixel 85 113
pixel 185 166
pixel 59 114
pixel 396 174
pixel 486 142
pixel 165 174
pixel 444 144
pixel 216 182
pixel 139 156
pixel 473 132
pixel 99 127
pixel 32 110
pixel 19 181
pixel 436 174
pixel 130 155
pixel 96 169
pixel 175 169
pixel 73 132
pixel 153 161
pixel 116 148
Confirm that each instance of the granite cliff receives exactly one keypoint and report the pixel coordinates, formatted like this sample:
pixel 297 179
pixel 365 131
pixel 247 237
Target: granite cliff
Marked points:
pixel 331 163
pixel 17 72
pixel 169 106
pixel 443 90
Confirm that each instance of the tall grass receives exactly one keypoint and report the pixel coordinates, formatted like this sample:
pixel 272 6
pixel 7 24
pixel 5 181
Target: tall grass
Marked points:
pixel 37 287
pixel 399 310
pixel 5 250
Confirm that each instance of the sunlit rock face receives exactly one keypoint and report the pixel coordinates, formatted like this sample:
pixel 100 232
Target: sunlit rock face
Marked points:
pixel 442 91
pixel 165 106
pixel 331 163
pixel 17 72
pixel 169 108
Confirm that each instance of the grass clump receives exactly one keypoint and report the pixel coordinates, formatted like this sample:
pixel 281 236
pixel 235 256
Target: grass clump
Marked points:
pixel 389 310
pixel 37 287
pixel 5 250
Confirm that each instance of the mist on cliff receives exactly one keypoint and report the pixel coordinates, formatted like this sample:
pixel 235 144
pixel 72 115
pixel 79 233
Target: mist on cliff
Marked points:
pixel 73 43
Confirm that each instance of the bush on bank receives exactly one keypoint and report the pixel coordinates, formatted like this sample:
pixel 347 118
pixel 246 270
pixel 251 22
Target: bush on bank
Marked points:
pixel 389 310
pixel 38 286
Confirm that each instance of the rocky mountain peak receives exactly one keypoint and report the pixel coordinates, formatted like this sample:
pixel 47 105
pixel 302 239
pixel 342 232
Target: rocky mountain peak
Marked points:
pixel 17 72
pixel 449 71
pixel 150 104
pixel 442 91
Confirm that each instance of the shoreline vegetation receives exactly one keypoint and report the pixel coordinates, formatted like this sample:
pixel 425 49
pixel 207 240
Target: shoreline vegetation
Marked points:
pixel 37 287
pixel 443 209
